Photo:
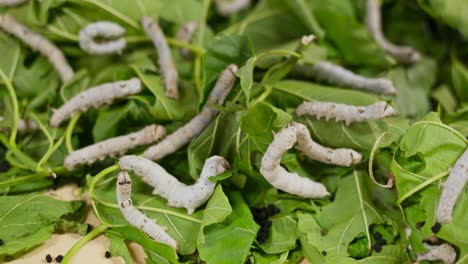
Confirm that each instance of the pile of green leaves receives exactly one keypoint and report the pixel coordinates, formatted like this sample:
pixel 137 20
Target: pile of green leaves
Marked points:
pixel 417 147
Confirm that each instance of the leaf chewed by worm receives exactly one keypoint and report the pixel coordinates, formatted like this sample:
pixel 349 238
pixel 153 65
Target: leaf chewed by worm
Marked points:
pixel 95 97
pixel 137 218
pixel 347 113
pixel 112 33
pixel 114 146
pixel 167 186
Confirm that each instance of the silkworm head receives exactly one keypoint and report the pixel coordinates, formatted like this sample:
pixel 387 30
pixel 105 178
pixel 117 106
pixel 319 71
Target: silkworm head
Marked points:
pixel 388 109
pixel 233 68
pixel 221 164
pixel 123 178
pixel 146 22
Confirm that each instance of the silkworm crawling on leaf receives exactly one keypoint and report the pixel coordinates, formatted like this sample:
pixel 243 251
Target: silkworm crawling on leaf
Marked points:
pixel 114 146
pixel 185 34
pixel 337 75
pixel 95 97
pixel 137 218
pixel 38 43
pixel 194 127
pixel 166 64
pixel 346 113
pixel 11 2
pixel 228 7
pixel 452 188
pixel 444 253
pixel 112 34
pixel 167 186
pixel 297 134
pixel 402 54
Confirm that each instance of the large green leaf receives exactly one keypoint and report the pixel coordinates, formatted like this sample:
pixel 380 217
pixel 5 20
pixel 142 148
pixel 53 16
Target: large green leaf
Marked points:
pixel 451 12
pixel 216 211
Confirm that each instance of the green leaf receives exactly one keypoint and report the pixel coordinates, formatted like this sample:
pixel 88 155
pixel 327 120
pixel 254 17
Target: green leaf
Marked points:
pixel 282 236
pixel 460 80
pixel 118 247
pixel 450 12
pixel 107 122
pixel 237 233
pixel 26 221
pixel 446 99
pixel 245 73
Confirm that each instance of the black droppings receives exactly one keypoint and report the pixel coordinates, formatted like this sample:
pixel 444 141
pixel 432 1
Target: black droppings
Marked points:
pixel 324 253
pixel 377 236
pixel 435 228
pixel 418 225
pixel 261 216
pixel 48 258
pixel 1 242
pixel 377 247
pixel 248 261
pixel 107 254
pixel 59 258
pixel 89 229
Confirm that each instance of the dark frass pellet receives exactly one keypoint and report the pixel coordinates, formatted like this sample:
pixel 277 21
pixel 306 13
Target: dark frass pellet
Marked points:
pixel 107 255
pixel 377 247
pixel 435 228
pixel 59 259
pixel 419 225
pixel 1 242
pixel 48 258
pixel 377 236
pixel 324 253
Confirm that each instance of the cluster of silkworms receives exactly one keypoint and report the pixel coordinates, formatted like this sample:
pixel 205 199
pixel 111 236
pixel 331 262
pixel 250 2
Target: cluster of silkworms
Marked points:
pixel 337 75
pixel 228 7
pixel 194 127
pixel 114 146
pixel 296 134
pixel 185 34
pixel 38 43
pixel 346 113
pixel 112 33
pixel 452 188
pixel 402 54
pixel 95 97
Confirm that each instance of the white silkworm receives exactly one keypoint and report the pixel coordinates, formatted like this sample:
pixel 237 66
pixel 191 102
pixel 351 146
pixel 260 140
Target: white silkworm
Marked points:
pixel 228 7
pixel 111 31
pixel 167 186
pixel 452 188
pixel 137 218
pixel 114 146
pixel 12 2
pixel 38 43
pixel 337 75
pixel 194 127
pixel 185 34
pixel 297 134
pixel 346 113
pixel 166 64
pixel 443 252
pixel 95 97
pixel 403 54
pixel 26 125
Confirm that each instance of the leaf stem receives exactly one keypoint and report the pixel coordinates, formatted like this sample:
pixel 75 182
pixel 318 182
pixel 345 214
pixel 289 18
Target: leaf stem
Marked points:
pixel 85 239
pixel 28 178
pixel 375 147
pixel 69 132
pixel 114 12
pixel 443 126
pixel 28 162
pixel 14 102
pixel 423 185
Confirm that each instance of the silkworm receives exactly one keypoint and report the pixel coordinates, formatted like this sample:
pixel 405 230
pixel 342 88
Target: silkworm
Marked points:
pixel 185 34
pixel 114 146
pixel 26 125
pixel 166 64
pixel 228 7
pixel 137 218
pixel 296 134
pixel 346 113
pixel 95 97
pixel 111 31
pixel 38 43
pixel 443 252
pixel 194 127
pixel 402 54
pixel 452 188
pixel 12 2
pixel 337 75
pixel 167 186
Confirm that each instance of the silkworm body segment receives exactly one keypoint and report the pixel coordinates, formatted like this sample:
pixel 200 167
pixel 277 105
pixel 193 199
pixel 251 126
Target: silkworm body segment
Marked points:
pixel 104 29
pixel 443 252
pixel 185 34
pixel 114 146
pixel 228 7
pixel 95 97
pixel 347 113
pixel 11 2
pixel 137 218
pixel 167 186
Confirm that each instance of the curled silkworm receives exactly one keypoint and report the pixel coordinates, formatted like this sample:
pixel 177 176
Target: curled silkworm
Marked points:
pixel 444 253
pixel 297 134
pixel 346 113
pixel 166 64
pixel 11 2
pixel 114 146
pixel 95 97
pixel 38 43
pixel 185 34
pixel 228 7
pixel 337 75
pixel 194 127
pixel 167 186
pixel 452 188
pixel 137 218
pixel 402 54
pixel 26 125
pixel 112 32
